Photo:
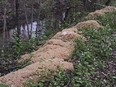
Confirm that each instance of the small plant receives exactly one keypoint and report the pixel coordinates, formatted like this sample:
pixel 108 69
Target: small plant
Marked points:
pixel 2 85
pixel 90 59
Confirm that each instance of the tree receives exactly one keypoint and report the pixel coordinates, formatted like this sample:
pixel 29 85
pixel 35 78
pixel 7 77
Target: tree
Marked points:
pixel 4 26
pixel 89 5
pixel 108 2
pixel 17 17
pixel 60 8
pixel 38 17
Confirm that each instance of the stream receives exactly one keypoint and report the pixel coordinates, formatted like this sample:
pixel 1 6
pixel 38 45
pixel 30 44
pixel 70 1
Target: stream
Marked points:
pixel 24 32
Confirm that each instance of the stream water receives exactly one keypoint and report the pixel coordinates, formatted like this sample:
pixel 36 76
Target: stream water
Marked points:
pixel 31 27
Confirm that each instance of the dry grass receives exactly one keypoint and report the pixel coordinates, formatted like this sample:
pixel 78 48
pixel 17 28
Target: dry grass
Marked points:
pixel 33 71
pixel 101 12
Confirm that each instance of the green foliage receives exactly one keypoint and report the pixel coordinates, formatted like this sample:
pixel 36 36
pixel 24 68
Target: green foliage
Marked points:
pixel 2 85
pixel 113 3
pixel 89 58
pixel 108 19
pixel 94 54
pixel 74 18
pixel 59 80
pixel 20 46
pixel 10 55
pixel 91 55
pixel 47 34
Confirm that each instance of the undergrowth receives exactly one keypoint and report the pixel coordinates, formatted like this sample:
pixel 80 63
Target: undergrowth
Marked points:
pixel 90 59
pixel 11 53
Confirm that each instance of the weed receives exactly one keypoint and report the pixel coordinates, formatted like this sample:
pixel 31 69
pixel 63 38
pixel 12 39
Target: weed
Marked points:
pixel 2 85
pixel 90 59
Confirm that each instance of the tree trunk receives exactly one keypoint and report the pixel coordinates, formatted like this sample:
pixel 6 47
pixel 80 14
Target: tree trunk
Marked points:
pixel 26 17
pixel 4 26
pixel 31 19
pixel 17 17
pixel 38 17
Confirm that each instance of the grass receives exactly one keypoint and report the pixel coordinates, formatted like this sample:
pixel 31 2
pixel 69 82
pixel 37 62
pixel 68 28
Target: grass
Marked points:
pixel 91 59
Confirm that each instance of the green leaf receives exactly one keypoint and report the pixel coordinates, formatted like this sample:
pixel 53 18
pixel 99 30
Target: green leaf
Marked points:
pixel 2 85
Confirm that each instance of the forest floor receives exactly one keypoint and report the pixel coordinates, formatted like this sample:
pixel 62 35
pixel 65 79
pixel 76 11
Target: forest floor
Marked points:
pixel 93 44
